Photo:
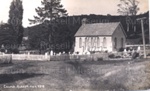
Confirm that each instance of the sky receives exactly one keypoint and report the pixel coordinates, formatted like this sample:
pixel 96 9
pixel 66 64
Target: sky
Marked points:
pixel 73 7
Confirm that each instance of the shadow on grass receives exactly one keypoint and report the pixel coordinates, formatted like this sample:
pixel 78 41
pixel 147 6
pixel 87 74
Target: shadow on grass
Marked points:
pixel 105 62
pixel 77 67
pixel 17 72
pixel 7 78
pixel 6 64
pixel 23 65
pixel 96 83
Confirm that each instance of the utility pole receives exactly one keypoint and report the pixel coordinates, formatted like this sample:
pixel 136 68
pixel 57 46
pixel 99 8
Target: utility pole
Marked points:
pixel 143 34
pixel 149 33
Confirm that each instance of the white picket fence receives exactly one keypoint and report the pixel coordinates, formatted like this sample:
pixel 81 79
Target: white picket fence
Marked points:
pixel 46 57
pixel 79 57
pixel 25 57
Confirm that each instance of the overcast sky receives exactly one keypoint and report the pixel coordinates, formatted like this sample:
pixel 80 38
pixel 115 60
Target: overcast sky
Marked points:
pixel 74 7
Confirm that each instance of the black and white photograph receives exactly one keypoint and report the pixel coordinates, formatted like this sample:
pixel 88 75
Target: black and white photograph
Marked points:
pixel 74 45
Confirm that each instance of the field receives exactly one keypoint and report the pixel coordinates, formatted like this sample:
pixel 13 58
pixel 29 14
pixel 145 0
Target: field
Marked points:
pixel 74 75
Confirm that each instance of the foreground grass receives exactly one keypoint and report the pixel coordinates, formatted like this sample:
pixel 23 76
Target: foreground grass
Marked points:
pixel 74 76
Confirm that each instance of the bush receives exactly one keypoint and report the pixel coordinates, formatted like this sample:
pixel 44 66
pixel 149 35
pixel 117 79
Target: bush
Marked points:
pixel 118 57
pixel 135 55
pixel 111 56
pixel 100 59
pixel 106 51
pixel 148 54
pixel 15 51
pixel 2 50
pixel 77 52
pixel 128 48
pixel 121 49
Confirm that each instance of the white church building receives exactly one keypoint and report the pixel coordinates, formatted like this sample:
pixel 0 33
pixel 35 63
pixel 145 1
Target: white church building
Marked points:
pixel 99 37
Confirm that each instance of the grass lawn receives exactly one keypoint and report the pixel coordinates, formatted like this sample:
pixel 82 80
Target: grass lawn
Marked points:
pixel 73 76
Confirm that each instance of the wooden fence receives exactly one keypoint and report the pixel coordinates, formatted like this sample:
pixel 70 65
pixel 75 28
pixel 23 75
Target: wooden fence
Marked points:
pixel 79 57
pixel 45 57
pixel 141 47
pixel 25 57
pixel 63 57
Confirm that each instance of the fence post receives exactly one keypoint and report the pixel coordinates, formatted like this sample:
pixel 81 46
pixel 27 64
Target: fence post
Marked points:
pixel 24 56
pixel 28 55
pixel 3 57
pixel 51 53
pixel 12 56
pixel 46 56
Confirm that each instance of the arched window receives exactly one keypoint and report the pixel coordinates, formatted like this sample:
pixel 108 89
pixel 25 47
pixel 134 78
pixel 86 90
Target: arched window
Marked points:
pixel 86 42
pixel 89 42
pixel 122 42
pixel 92 41
pixel 80 42
pixel 95 42
pixel 98 42
pixel 104 42
pixel 115 43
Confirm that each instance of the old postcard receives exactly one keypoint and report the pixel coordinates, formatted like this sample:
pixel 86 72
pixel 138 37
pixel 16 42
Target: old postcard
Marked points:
pixel 74 45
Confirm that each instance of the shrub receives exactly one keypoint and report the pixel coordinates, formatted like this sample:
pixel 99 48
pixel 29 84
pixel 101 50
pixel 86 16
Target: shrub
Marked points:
pixel 135 55
pixel 148 54
pixel 2 50
pixel 92 52
pixel 118 57
pixel 121 49
pixel 100 59
pixel 111 56
pixel 128 48
pixel 106 51
pixel 13 50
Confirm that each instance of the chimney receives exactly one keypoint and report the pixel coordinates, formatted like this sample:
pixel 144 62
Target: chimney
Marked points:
pixel 84 21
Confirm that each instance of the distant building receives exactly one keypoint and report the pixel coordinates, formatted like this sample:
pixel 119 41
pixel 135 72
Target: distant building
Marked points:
pixel 99 37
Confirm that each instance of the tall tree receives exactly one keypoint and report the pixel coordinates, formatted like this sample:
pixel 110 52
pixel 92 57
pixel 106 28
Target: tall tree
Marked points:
pixel 15 19
pixel 129 8
pixel 7 35
pixel 48 14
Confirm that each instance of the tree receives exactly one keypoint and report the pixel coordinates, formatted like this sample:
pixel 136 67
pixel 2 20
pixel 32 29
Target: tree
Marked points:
pixel 15 19
pixel 129 8
pixel 48 14
pixel 7 35
pixel 37 35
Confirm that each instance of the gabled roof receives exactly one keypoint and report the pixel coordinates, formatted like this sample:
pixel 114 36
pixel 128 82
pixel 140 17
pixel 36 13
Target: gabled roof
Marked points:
pixel 98 29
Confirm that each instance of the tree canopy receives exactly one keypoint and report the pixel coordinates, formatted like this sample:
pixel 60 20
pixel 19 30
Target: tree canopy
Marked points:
pixel 47 15
pixel 128 7
pixel 15 18
pixel 7 35
pixel 50 11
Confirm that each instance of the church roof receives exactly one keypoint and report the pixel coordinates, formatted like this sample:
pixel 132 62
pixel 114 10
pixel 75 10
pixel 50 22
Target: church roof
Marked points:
pixel 97 29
